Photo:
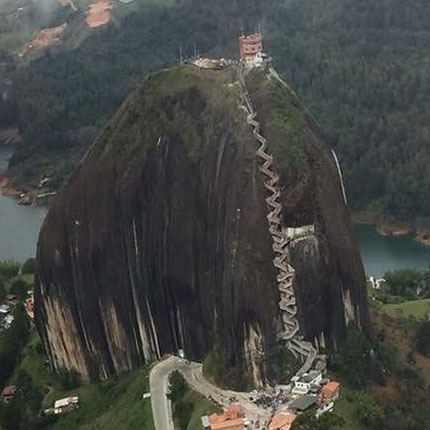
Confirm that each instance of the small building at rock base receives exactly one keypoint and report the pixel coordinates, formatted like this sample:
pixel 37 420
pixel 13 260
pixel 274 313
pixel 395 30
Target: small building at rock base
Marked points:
pixel 8 393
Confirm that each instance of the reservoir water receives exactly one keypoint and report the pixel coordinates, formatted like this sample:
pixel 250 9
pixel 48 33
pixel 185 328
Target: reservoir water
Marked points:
pixel 19 225
pixel 383 253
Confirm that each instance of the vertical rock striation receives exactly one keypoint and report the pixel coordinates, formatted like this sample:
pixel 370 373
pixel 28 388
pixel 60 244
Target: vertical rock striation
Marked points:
pixel 160 240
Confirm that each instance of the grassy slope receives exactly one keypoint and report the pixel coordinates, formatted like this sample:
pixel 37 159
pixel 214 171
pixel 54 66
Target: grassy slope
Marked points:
pixel 196 405
pixel 201 406
pixel 344 407
pixel 416 308
pixel 109 405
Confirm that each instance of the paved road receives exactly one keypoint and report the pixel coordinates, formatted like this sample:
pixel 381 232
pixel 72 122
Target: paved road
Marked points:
pixel 193 374
pixel 158 382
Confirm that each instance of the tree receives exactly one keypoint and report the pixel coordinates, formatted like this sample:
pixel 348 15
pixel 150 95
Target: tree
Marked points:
pixel 353 357
pixel 408 283
pixel 327 421
pixel 368 412
pixel 12 342
pixel 2 291
pixel 69 379
pixel 12 415
pixel 9 269
pixel 19 288
pixel 423 338
pixel 284 364
pixel 29 266
pixel 183 410
pixel 178 386
pixel 24 381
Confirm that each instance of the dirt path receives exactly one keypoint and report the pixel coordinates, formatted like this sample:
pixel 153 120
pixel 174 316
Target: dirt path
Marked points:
pixel 100 13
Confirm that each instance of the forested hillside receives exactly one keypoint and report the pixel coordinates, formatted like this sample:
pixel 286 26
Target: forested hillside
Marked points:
pixel 362 66
pixel 364 69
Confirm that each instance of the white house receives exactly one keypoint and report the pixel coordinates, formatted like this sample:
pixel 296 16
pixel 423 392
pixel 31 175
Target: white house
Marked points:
pixel 66 402
pixel 5 309
pixel 303 383
pixel 325 407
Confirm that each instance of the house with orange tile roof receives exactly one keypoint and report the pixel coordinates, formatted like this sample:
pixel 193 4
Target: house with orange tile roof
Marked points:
pixel 330 391
pixel 282 421
pixel 237 424
pixel 232 418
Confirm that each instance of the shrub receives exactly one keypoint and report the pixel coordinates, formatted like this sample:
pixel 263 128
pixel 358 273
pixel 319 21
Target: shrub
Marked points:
pixel 183 411
pixel 2 291
pixel 29 266
pixel 328 421
pixel 353 358
pixel 213 366
pixel 19 288
pixel 284 364
pixel 423 339
pixel 368 412
pixel 69 379
pixel 12 343
pixel 9 269
pixel 178 387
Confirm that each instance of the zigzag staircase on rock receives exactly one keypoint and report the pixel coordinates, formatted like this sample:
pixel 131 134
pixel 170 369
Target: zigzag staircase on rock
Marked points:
pixel 287 305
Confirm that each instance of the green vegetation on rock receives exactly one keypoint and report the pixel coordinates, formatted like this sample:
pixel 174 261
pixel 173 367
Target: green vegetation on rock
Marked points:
pixel 283 119
pixel 283 362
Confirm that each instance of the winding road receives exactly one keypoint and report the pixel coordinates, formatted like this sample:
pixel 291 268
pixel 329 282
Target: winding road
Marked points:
pixel 193 375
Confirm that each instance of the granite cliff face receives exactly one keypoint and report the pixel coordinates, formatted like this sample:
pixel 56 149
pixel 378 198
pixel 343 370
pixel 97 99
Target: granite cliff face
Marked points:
pixel 160 240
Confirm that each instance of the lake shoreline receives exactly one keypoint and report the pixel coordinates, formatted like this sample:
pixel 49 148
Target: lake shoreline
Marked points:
pixel 19 225
pixel 32 197
pixel 387 253
pixel 419 231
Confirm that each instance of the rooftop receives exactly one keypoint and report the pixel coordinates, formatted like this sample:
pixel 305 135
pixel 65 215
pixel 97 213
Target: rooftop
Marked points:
pixel 282 421
pixel 251 37
pixel 303 403
pixel 330 388
pixel 238 423
pixel 4 309
pixel 309 377
pixel 10 390
pixel 61 403
pixel 231 418
pixel 205 421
